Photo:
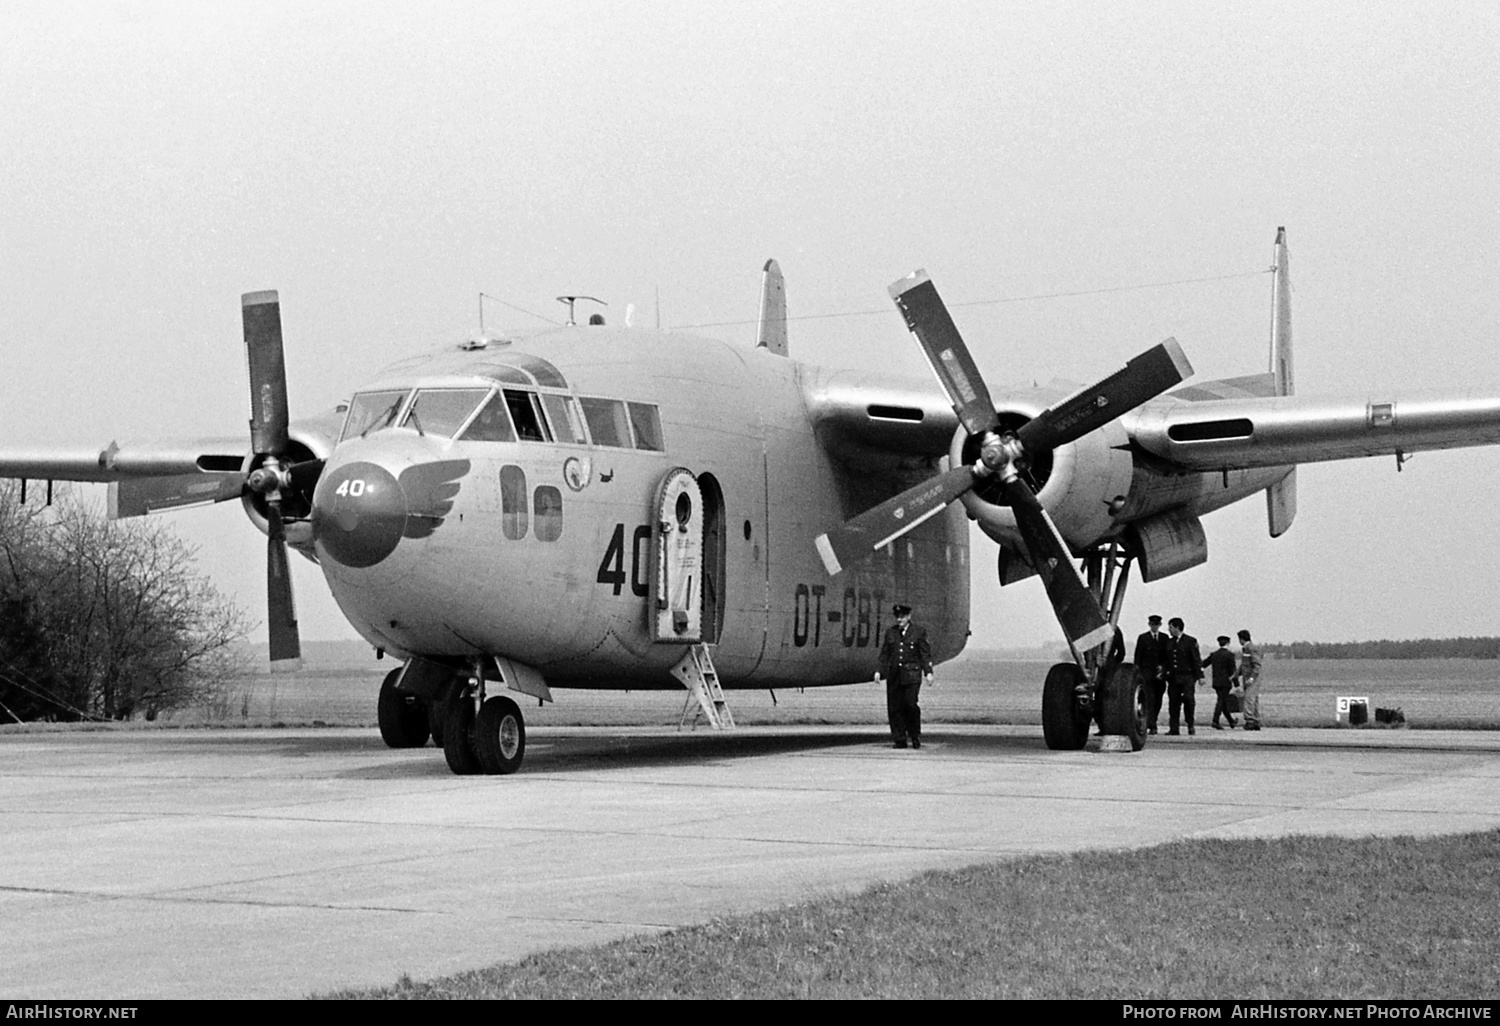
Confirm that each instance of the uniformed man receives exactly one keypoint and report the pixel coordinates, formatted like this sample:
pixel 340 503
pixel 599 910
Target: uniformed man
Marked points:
pixel 1250 679
pixel 1151 664
pixel 1221 661
pixel 905 664
pixel 1184 671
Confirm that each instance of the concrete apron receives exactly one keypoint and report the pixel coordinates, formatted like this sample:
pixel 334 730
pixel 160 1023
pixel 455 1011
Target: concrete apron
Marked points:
pixel 277 863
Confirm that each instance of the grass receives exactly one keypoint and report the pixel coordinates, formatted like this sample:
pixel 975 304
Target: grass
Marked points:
pixel 1292 918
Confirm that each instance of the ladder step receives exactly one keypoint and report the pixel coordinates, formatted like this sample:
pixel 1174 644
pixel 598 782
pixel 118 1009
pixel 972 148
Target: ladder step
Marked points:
pixel 697 673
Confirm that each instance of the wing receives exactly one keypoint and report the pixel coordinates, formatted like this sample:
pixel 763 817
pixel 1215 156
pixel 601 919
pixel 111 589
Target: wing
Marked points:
pixel 119 462
pixel 1194 429
pixel 144 477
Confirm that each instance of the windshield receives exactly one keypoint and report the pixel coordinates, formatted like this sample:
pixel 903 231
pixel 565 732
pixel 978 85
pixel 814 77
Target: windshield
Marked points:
pixel 372 411
pixel 442 411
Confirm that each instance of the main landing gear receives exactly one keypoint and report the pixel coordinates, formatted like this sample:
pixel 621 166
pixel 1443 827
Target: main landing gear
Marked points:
pixel 1098 686
pixel 477 733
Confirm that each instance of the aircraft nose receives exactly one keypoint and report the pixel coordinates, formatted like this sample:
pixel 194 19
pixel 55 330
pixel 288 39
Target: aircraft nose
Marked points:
pixel 359 513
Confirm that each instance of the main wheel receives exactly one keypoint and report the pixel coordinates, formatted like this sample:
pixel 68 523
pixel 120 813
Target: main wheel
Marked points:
pixel 1065 724
pixel 458 734
pixel 500 736
pixel 1123 705
pixel 402 715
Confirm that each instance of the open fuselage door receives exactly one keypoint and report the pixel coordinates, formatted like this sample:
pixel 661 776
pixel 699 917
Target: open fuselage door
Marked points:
pixel 676 594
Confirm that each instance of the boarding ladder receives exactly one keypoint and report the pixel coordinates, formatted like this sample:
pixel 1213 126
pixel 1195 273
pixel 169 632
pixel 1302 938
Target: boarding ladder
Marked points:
pixel 697 673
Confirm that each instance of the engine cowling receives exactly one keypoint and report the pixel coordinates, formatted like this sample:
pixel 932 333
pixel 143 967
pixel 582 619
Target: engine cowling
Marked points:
pixel 311 439
pixel 1082 484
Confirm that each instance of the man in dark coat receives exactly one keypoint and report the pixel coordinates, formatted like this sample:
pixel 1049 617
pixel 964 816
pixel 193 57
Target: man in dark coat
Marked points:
pixel 1184 671
pixel 905 662
pixel 1221 661
pixel 1151 663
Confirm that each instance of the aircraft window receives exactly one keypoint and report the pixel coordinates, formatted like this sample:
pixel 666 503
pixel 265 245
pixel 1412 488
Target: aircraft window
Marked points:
pixel 371 411
pixel 646 421
pixel 607 422
pixel 526 412
pixel 442 411
pixel 492 424
pixel 548 505
pixel 513 502
pixel 567 426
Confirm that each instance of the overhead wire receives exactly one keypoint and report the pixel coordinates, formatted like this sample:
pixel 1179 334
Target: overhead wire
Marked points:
pixel 1004 299
pixel 522 309
pixel 44 694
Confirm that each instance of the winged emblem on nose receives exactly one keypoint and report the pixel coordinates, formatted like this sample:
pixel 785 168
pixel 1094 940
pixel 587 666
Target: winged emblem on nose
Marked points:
pixel 430 489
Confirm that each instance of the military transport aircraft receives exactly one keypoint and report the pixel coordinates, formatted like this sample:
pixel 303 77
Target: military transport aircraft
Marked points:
pixel 595 507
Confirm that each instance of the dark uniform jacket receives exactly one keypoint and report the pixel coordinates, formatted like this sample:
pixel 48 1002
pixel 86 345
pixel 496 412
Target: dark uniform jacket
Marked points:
pixel 1184 661
pixel 1222 661
pixel 904 658
pixel 1151 653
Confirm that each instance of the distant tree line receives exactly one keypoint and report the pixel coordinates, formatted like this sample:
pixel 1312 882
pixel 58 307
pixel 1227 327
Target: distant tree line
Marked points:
pixel 104 619
pixel 1420 648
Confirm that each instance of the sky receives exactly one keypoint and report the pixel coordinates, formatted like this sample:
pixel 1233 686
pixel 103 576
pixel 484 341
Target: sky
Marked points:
pixel 1052 164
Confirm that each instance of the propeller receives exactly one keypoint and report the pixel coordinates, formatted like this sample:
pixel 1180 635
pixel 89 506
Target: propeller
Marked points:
pixel 1000 455
pixel 273 478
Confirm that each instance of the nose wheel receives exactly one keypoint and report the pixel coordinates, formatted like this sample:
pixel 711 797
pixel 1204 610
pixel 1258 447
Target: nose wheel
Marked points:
pixel 491 740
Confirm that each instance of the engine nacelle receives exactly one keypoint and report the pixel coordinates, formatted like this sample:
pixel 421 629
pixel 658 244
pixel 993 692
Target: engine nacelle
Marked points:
pixel 312 438
pixel 1082 485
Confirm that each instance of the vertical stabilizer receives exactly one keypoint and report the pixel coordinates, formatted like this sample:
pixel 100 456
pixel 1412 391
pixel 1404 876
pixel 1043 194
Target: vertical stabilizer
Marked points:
pixel 1281 497
pixel 771 332
pixel 1281 322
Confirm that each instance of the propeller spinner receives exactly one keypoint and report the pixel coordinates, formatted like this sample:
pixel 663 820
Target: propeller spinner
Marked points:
pixel 1143 378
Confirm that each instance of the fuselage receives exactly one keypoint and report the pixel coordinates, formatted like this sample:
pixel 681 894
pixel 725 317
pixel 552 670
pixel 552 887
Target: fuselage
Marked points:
pixel 533 541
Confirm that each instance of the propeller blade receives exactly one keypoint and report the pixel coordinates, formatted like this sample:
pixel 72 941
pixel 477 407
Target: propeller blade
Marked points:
pixel 878 527
pixel 261 312
pixel 927 318
pixel 1077 610
pixel 1145 377
pixel 281 610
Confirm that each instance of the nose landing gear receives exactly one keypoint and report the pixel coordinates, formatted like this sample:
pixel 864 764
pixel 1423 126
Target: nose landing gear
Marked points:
pixel 483 735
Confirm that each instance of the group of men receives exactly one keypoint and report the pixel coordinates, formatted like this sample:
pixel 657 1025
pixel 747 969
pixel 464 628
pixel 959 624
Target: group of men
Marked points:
pixel 1171 664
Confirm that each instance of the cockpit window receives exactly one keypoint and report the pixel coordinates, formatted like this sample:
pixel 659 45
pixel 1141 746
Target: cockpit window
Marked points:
pixel 492 424
pixel 372 411
pixel 608 423
pixel 567 425
pixel 442 411
pixel 646 420
pixel 526 413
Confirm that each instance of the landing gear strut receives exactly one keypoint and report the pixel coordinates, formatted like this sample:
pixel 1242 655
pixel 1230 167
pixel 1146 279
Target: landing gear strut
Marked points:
pixel 1099 685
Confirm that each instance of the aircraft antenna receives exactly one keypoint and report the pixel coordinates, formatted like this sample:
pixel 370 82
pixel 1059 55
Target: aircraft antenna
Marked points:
pixel 570 301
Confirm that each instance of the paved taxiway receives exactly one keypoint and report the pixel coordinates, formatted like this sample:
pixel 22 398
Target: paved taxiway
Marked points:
pixel 277 863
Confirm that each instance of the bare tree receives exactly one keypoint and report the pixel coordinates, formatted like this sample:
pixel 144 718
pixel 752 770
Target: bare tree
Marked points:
pixel 108 619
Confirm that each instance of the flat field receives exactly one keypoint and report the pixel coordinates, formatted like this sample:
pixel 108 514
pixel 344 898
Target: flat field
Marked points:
pixel 338 686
